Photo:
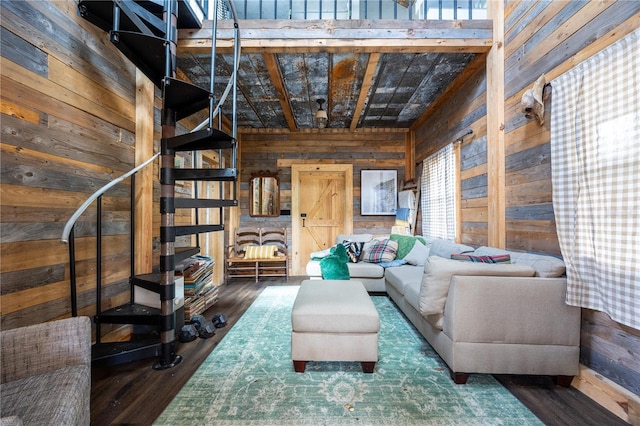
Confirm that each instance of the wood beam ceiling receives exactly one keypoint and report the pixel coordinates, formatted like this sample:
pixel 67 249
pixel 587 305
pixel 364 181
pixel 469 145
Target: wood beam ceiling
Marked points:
pixel 272 39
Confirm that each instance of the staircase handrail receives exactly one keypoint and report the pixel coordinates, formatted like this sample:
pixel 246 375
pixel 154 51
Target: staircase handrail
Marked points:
pixel 232 79
pixel 72 221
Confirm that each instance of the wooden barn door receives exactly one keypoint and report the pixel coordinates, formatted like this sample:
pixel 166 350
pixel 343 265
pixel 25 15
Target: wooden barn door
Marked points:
pixel 321 209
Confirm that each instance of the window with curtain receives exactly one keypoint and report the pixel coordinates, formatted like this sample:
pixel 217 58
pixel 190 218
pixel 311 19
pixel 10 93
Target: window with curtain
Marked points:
pixel 595 160
pixel 438 194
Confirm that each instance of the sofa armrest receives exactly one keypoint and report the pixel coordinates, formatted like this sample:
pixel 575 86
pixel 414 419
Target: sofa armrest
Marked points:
pixel 519 310
pixel 40 348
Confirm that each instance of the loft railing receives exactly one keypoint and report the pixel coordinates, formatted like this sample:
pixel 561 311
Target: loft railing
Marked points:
pixel 361 9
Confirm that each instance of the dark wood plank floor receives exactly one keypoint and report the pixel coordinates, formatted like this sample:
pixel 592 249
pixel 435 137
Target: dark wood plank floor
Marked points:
pixel 134 393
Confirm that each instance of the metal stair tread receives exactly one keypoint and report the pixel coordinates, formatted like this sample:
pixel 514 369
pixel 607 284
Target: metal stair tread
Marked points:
pixel 100 13
pixel 205 174
pixel 130 314
pixel 145 51
pixel 197 229
pixel 182 253
pixel 200 140
pixel 202 203
pixel 184 98
pixel 114 353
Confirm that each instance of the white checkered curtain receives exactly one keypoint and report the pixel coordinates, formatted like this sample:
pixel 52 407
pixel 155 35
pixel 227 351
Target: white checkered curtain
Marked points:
pixel 438 195
pixel 595 159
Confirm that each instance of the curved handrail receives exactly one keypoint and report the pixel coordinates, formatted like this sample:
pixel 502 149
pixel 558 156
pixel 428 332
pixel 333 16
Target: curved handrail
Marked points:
pixel 72 221
pixel 232 79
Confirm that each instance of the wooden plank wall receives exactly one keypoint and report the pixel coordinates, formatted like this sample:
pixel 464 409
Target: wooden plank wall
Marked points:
pixel 277 151
pixel 67 129
pixel 547 37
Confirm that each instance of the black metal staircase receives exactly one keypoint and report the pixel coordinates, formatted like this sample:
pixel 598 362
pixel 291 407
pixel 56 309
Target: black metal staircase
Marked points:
pixel 146 32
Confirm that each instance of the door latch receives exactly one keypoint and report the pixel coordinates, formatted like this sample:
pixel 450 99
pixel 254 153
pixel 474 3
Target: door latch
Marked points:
pixel 303 216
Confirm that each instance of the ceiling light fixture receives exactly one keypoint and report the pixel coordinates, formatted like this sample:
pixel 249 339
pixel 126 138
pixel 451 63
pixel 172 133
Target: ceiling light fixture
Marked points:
pixel 321 115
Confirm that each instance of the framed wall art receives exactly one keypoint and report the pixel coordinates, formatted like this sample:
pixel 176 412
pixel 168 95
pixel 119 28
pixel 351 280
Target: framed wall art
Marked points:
pixel 378 192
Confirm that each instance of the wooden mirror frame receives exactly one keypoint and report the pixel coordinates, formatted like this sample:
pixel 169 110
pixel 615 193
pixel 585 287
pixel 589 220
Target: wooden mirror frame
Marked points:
pixel 264 195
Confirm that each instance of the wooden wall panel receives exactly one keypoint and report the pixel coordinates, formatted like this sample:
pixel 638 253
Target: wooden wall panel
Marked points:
pixel 550 38
pixel 547 37
pixel 68 114
pixel 277 151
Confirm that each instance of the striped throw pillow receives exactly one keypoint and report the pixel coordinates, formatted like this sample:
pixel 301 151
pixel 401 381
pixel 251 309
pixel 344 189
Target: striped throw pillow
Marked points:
pixel 503 258
pixel 260 252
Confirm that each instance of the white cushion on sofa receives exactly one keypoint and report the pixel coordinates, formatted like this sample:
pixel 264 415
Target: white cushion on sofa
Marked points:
pixel 356 238
pixel 418 254
pixel 438 272
pixel 445 248
pixel 399 277
pixel 545 266
pixel 365 270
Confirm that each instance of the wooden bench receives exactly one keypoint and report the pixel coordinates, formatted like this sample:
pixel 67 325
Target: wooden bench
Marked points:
pixel 240 264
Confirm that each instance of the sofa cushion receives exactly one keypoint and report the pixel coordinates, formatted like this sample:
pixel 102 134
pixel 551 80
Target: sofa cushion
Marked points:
pixel 356 270
pixel 399 277
pixel 59 397
pixel 418 255
pixel 545 266
pixel 358 238
pixel 437 277
pixel 412 293
pixel 405 243
pixel 365 270
pixel 380 251
pixel 445 248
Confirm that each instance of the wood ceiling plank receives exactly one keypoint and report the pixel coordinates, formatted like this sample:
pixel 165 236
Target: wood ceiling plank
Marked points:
pixel 476 63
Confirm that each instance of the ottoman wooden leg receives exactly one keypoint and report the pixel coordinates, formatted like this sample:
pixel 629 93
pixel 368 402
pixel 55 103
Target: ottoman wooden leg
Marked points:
pixel 368 367
pixel 299 366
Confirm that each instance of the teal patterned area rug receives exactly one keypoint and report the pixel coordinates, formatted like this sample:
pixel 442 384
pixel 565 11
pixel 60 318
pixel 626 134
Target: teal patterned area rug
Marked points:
pixel 249 380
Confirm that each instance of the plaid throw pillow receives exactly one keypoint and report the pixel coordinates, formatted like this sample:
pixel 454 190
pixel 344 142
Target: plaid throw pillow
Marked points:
pixel 504 258
pixel 354 250
pixel 381 251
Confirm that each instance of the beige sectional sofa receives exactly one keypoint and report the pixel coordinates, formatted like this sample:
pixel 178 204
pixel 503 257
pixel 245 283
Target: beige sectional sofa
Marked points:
pixel 489 318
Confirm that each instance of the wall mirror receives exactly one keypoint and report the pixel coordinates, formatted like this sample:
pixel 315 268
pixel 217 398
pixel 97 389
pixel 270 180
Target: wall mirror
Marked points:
pixel 265 194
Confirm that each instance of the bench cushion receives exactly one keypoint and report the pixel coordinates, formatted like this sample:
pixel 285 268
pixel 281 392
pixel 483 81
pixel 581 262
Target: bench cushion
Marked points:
pixel 334 306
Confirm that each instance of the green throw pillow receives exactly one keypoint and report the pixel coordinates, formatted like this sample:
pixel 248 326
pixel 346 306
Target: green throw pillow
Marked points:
pixel 340 251
pixel 405 243
pixel 333 267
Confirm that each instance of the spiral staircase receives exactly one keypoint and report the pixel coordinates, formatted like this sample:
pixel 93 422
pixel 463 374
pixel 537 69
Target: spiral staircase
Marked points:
pixel 146 33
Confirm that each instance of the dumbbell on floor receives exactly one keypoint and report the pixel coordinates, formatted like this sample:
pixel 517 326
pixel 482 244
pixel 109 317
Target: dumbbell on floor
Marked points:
pixel 187 333
pixel 205 328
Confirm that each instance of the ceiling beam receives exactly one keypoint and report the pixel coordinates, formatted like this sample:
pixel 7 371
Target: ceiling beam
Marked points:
pixel 278 84
pixel 355 36
pixel 367 80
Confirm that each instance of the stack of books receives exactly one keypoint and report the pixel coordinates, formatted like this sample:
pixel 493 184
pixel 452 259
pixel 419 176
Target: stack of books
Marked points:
pixel 199 291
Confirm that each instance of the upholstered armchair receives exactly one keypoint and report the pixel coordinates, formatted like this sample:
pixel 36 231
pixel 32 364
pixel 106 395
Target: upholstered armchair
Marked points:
pixel 46 373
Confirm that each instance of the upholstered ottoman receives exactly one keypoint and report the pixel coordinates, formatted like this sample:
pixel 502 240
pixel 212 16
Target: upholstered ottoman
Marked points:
pixel 334 320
